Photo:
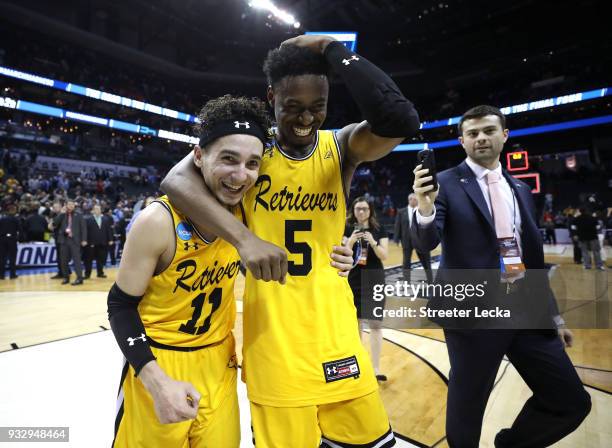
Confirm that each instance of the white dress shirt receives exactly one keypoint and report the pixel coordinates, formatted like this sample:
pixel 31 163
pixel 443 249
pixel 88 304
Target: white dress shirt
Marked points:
pixel 410 210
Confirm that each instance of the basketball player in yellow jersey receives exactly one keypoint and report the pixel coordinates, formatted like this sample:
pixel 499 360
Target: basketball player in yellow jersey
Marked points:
pixel 308 377
pixel 172 308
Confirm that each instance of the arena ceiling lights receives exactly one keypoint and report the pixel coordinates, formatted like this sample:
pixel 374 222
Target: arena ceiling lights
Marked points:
pixel 41 109
pixel 349 39
pixel 275 11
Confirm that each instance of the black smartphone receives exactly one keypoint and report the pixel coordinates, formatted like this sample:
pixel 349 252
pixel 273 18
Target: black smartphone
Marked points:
pixel 426 158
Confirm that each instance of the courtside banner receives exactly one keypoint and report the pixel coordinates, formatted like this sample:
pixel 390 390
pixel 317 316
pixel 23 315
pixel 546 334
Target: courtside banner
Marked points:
pixel 40 254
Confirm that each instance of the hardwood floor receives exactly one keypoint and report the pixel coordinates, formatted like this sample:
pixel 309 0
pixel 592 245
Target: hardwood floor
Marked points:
pixel 36 310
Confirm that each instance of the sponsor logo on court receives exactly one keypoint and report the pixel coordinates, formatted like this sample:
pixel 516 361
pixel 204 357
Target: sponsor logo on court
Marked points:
pixel 184 231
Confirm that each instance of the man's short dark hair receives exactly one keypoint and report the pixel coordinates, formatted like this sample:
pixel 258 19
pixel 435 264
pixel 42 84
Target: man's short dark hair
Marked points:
pixel 291 60
pixel 228 107
pixel 479 112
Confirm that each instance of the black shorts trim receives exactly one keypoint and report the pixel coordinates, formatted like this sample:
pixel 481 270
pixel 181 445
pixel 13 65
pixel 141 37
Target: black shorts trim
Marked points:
pixel 385 441
pixel 156 344
pixel 119 415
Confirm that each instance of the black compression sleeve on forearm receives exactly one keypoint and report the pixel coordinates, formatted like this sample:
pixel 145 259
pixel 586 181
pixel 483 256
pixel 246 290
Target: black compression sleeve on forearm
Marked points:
pixel 382 104
pixel 128 328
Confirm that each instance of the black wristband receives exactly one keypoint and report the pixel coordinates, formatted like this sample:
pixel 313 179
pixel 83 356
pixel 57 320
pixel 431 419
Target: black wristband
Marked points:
pixel 128 328
pixel 379 99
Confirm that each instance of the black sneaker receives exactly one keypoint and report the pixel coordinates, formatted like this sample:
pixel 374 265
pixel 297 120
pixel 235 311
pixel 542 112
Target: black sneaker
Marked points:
pixel 66 281
pixel 57 277
pixel 381 377
pixel 78 281
pixel 102 275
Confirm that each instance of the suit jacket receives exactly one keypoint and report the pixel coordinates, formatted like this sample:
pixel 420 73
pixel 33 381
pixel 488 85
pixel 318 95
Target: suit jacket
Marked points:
pixel 35 227
pixel 586 227
pixel 10 228
pixel 401 230
pixel 99 235
pixel 79 229
pixel 465 228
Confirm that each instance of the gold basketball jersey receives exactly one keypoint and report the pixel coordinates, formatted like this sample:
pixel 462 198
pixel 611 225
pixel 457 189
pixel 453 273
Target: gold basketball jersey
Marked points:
pixel 191 303
pixel 301 341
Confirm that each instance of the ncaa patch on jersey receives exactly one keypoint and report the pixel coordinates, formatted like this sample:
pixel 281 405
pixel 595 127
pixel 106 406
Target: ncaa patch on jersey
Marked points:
pixel 184 231
pixel 341 369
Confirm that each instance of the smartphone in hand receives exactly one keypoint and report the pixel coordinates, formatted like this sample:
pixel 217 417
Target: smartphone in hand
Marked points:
pixel 426 158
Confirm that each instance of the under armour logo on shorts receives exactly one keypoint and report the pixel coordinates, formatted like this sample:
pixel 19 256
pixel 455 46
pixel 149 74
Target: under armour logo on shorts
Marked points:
pixel 142 337
pixel 188 246
pixel 348 61
pixel 239 124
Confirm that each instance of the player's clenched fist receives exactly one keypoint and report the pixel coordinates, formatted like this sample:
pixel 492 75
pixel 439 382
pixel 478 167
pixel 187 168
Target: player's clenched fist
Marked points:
pixel 265 260
pixel 175 401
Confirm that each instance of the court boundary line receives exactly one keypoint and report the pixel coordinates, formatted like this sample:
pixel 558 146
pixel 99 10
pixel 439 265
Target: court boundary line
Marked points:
pixel 592 368
pixel 598 389
pixel 54 340
pixel 409 440
pixel 431 366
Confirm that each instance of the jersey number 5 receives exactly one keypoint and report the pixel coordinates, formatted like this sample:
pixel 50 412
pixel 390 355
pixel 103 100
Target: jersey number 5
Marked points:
pixel 198 303
pixel 292 226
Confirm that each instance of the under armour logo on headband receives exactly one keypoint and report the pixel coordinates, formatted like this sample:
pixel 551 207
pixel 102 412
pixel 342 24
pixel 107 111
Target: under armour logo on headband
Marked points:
pixel 239 124
pixel 348 61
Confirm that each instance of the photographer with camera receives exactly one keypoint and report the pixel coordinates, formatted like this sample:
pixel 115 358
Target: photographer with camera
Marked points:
pixel 369 241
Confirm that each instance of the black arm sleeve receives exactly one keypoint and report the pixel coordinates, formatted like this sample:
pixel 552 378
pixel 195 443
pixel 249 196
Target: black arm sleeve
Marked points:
pixel 128 328
pixel 382 104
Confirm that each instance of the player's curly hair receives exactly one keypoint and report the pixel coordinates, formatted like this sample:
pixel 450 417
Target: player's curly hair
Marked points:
pixel 228 107
pixel 291 60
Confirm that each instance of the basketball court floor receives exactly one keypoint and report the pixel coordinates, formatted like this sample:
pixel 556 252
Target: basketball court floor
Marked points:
pixel 60 365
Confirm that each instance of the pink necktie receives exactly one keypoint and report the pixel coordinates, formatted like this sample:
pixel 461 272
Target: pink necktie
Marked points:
pixel 501 214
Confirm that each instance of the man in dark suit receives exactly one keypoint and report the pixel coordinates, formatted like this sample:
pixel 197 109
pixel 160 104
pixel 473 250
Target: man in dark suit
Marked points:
pixel 72 235
pixel 403 221
pixel 35 225
pixel 99 238
pixel 478 208
pixel 56 210
pixel 10 229
pixel 586 227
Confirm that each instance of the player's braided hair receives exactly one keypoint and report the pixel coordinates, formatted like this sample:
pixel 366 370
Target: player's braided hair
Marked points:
pixel 228 107
pixel 291 60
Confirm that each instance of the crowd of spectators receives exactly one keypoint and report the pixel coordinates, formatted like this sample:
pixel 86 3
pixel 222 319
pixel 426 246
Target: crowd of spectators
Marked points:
pixel 35 196
pixel 386 183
